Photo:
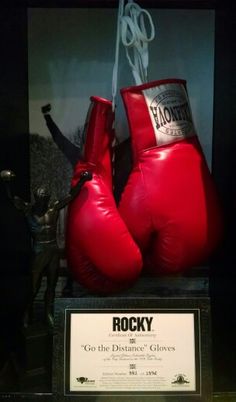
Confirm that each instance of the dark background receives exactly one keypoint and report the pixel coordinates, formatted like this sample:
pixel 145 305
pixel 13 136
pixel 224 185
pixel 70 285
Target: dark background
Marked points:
pixel 14 154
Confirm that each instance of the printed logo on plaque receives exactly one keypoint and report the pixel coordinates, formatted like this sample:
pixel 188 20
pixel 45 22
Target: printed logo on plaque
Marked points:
pixel 181 379
pixel 83 380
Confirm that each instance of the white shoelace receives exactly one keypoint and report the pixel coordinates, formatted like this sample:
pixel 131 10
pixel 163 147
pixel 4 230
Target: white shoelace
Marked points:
pixel 131 30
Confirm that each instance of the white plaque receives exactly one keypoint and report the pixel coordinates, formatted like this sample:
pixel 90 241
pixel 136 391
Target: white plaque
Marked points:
pixel 132 351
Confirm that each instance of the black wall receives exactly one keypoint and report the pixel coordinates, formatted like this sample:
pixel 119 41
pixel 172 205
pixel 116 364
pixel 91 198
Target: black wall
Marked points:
pixel 14 145
pixel 14 237
pixel 223 275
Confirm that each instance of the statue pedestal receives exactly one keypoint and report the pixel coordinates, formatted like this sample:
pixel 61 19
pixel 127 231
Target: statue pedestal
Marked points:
pixel 38 358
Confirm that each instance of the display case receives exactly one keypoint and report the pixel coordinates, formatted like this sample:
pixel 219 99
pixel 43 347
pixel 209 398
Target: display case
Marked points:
pixel 38 53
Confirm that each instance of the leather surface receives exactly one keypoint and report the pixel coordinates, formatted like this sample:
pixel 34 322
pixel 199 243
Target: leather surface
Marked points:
pixel 101 252
pixel 170 203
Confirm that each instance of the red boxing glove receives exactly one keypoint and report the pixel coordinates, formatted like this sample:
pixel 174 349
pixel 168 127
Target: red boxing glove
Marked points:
pixel 169 203
pixel 101 252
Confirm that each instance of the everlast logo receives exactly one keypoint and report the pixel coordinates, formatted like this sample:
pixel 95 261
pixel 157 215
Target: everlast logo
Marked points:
pixel 132 323
pixel 170 113
pixel 164 115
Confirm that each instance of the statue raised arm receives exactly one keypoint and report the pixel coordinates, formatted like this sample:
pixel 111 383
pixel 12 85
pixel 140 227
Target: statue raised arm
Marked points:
pixel 42 219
